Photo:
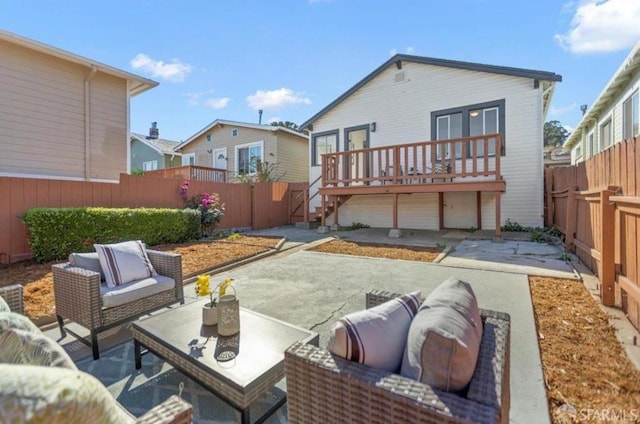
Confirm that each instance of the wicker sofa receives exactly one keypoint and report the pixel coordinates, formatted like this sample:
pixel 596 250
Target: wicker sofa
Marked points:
pixel 174 410
pixel 78 297
pixel 323 388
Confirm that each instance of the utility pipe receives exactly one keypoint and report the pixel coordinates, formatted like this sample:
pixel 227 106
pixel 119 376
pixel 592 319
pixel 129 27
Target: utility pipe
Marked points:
pixel 87 122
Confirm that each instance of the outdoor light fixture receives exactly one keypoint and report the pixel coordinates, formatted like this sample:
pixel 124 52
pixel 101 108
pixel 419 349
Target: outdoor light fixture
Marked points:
pixel 474 113
pixel 373 127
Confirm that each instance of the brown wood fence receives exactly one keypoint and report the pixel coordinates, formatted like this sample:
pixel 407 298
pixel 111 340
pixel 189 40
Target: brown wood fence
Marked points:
pixel 596 205
pixel 267 201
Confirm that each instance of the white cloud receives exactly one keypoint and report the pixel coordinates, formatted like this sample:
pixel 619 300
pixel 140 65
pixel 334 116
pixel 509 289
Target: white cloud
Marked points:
pixel 194 98
pixel 561 110
pixel 407 50
pixel 274 99
pixel 217 103
pixel 568 128
pixel 175 71
pixel 602 26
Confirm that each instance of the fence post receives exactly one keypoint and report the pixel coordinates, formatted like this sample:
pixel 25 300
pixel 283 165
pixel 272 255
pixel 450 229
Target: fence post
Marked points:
pixel 548 188
pixel 607 271
pixel 570 219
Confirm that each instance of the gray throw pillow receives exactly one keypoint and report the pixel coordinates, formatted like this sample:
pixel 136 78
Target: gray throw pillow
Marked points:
pixel 444 338
pixel 88 261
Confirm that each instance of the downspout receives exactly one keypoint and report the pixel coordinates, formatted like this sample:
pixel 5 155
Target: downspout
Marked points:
pixel 87 122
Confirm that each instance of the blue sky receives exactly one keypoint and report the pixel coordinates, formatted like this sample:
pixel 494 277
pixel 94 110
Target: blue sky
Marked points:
pixel 227 59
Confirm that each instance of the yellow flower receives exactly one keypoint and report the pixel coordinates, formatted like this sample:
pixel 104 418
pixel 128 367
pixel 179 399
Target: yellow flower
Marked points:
pixel 223 286
pixel 202 286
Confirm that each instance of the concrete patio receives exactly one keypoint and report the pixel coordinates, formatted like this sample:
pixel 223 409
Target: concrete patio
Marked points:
pixel 312 290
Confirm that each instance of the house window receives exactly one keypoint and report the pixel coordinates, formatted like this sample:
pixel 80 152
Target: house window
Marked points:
pixel 578 152
pixel 606 134
pixel 323 143
pixel 630 117
pixel 469 121
pixel 209 138
pixel 592 146
pixel 150 165
pixel 189 159
pixel 247 157
pixel 234 132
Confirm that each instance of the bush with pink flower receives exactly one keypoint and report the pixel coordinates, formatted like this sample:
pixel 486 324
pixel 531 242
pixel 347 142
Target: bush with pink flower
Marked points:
pixel 210 207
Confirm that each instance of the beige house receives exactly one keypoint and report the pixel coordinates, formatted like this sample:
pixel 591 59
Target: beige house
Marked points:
pixel 236 146
pixel 63 116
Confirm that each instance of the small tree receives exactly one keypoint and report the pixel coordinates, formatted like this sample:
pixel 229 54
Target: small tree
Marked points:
pixel 265 172
pixel 554 133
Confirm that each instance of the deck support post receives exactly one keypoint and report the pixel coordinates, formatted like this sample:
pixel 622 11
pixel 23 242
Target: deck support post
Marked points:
pixel 441 210
pixel 336 224
pixel 322 229
pixel 479 209
pixel 395 231
pixel 498 236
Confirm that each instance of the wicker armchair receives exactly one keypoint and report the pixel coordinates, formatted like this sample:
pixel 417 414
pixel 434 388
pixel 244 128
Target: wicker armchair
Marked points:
pixel 78 299
pixel 174 410
pixel 323 388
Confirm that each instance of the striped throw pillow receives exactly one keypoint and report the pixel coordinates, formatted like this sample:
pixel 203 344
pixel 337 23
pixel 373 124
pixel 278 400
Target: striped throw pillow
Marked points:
pixel 124 262
pixel 376 336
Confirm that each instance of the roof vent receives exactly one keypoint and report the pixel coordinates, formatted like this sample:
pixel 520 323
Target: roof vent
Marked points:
pixel 399 77
pixel 154 133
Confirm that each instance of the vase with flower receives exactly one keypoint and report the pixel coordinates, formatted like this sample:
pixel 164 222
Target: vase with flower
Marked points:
pixel 203 288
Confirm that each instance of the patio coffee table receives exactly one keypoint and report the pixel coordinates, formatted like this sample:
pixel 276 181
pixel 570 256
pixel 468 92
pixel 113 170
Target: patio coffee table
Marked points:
pixel 239 369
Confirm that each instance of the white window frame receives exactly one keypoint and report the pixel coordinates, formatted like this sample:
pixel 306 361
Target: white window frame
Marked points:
pixel 247 146
pixel 592 143
pixel 150 165
pixel 609 121
pixel 634 114
pixel 188 159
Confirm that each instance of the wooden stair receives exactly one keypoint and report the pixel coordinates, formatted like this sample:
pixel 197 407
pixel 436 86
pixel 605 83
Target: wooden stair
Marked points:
pixel 316 215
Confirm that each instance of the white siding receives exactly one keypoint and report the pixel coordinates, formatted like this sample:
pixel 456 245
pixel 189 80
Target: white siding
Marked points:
pixel 402 112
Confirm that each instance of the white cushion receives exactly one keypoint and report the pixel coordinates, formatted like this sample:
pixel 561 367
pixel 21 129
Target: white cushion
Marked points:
pixel 124 262
pixel 88 261
pixel 35 394
pixel 29 348
pixel 14 320
pixel 377 336
pixel 444 338
pixel 138 289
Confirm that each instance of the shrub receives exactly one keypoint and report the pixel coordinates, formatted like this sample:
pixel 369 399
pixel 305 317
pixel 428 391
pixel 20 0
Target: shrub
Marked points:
pixel 209 205
pixel 56 232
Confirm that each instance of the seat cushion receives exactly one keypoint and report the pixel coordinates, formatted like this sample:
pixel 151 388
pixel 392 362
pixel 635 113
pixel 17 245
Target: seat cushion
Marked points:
pixel 38 394
pixel 444 338
pixel 88 261
pixel 124 262
pixel 377 336
pixel 14 320
pixel 135 290
pixel 4 306
pixel 28 348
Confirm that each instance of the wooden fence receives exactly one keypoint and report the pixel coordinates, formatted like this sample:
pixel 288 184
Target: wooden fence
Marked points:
pixel 596 205
pixel 264 206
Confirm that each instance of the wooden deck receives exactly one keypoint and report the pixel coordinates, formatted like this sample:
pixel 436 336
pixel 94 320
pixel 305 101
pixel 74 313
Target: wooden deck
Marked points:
pixel 458 165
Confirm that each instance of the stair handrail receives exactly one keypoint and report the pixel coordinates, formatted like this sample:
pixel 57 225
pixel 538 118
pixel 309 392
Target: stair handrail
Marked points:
pixel 308 198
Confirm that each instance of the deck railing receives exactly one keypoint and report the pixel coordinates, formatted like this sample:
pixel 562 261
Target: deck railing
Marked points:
pixel 191 172
pixel 415 163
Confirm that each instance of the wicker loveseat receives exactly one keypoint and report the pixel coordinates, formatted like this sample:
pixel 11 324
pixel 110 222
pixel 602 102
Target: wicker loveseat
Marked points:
pixel 324 388
pixel 92 398
pixel 79 298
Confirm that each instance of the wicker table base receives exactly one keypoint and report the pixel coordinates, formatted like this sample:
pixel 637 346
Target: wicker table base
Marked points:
pixel 239 369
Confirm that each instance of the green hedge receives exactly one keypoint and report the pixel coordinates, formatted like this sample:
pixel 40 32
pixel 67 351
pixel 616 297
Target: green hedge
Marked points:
pixel 56 232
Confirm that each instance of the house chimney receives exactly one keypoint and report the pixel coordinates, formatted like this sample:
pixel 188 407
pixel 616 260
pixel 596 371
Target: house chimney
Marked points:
pixel 153 131
pixel 583 108
pixel 259 116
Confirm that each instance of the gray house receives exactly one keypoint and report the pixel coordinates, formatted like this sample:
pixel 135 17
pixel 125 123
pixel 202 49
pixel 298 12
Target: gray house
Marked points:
pixel 149 152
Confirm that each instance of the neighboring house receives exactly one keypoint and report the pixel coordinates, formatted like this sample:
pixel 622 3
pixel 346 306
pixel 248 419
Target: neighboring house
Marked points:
pixel 148 152
pixel 614 116
pixel 555 157
pixel 386 163
pixel 236 146
pixel 63 116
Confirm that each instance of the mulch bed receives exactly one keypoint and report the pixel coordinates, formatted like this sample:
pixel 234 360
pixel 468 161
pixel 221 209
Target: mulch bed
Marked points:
pixel 407 253
pixel 584 365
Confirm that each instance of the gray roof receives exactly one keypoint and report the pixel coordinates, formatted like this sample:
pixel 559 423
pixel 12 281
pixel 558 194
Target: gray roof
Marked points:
pixel 397 60
pixel 160 145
